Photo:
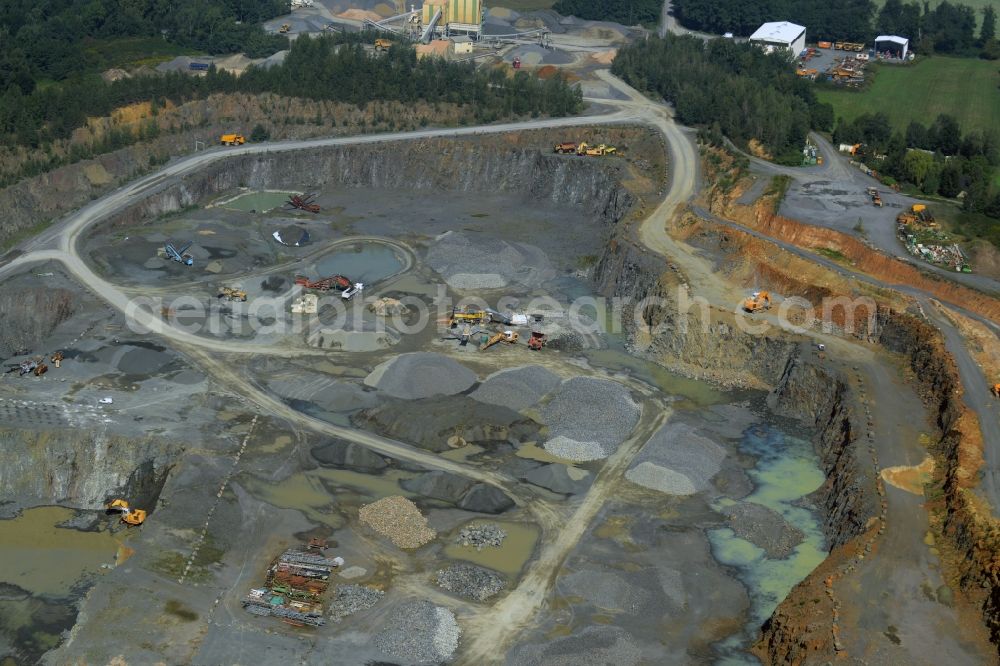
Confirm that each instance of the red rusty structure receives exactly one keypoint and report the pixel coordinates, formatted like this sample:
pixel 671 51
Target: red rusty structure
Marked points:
pixel 338 282
pixel 303 202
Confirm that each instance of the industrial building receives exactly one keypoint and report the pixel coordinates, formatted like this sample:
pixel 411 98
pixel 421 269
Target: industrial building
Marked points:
pixel 892 46
pixel 454 17
pixel 780 35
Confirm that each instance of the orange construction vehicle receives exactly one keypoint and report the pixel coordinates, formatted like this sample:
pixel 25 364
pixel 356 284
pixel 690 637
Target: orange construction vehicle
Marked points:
pixel 509 337
pixel 759 300
pixel 995 390
pixel 565 148
pixel 130 516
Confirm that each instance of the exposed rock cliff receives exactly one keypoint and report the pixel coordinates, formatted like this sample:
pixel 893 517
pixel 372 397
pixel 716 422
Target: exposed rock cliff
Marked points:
pixel 82 469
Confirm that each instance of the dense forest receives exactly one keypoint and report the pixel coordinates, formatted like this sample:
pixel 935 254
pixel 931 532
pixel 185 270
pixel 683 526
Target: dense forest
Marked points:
pixel 735 89
pixel 329 68
pixel 937 159
pixel 948 28
pixel 626 12
pixel 46 40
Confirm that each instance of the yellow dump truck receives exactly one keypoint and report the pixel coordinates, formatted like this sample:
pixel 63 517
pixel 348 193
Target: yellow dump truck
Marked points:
pixel 232 139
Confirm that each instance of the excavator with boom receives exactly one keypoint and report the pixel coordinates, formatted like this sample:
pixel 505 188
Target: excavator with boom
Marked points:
pixel 510 337
pixel 130 516
pixel 760 300
pixel 233 294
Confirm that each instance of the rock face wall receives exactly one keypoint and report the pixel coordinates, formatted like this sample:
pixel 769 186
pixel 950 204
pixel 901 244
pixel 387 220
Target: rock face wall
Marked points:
pixel 82 469
pixel 459 166
pixel 29 314
pixel 674 330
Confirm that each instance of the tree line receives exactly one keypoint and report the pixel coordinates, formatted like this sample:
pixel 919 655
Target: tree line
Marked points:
pixel 936 159
pixel 730 88
pixel 947 28
pixel 326 68
pixel 626 12
pixel 48 39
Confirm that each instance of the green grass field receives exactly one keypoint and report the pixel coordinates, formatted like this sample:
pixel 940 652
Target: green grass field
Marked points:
pixel 966 88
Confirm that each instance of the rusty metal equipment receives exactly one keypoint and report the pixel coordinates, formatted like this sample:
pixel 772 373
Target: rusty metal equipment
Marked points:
pixel 303 202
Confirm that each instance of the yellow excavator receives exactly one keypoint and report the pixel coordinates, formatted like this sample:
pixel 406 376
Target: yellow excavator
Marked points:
pixel 995 390
pixel 232 294
pixel 130 516
pixel 467 316
pixel 383 44
pixel 595 151
pixel 759 300
pixel 510 337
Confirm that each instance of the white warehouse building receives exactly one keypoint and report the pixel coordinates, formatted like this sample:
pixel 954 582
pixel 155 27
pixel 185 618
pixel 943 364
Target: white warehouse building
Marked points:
pixel 780 35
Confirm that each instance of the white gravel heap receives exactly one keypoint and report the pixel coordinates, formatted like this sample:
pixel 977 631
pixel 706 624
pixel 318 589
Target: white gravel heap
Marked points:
pixel 419 632
pixel 588 418
pixel 469 263
pixel 351 599
pixel 399 519
pixel 516 388
pixel 677 461
pixel 421 375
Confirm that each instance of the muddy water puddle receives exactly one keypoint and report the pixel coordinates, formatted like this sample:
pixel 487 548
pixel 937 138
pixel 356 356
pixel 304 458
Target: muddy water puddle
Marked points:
pixel 44 559
pixel 699 393
pixel 363 262
pixel 259 202
pixel 509 558
pixel 787 470
pixel 310 491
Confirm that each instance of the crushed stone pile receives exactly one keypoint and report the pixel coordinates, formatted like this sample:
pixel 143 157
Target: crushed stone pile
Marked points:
pixel 351 599
pixel 516 388
pixel 471 582
pixel 485 535
pixel 468 262
pixel 417 631
pixel 588 418
pixel 764 528
pixel 594 646
pixel 677 461
pixel 399 519
pixel 605 590
pixel 421 375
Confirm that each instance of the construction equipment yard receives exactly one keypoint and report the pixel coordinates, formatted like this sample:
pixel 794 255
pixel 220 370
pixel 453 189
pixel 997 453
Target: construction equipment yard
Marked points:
pixel 425 397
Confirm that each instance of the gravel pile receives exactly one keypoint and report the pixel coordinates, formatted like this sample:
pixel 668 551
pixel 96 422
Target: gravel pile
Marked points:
pixel 471 582
pixel 399 519
pixel 351 599
pixel 418 631
pixel 485 535
pixel 594 646
pixel 487 263
pixel 421 375
pixel 605 590
pixel 588 418
pixel 764 528
pixel 676 461
pixel 516 388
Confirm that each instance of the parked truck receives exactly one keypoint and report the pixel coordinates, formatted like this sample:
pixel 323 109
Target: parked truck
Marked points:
pixel 232 140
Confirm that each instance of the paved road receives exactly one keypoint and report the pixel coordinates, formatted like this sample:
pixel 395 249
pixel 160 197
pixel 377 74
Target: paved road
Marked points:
pixel 977 397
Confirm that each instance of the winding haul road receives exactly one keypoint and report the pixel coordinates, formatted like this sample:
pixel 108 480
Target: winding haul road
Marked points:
pixel 61 243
